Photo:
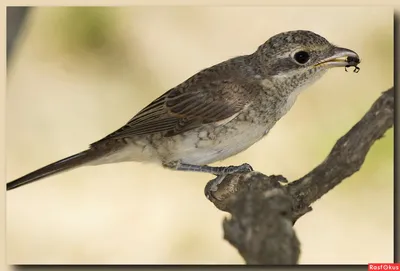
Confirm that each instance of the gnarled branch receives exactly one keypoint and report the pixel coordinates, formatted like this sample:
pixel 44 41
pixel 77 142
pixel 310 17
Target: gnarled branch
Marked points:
pixel 264 208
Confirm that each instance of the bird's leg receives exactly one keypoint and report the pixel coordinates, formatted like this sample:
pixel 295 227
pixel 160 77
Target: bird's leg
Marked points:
pixel 217 170
pixel 213 170
pixel 220 172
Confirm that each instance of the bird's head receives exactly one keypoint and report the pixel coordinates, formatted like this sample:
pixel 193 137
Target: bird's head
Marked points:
pixel 298 58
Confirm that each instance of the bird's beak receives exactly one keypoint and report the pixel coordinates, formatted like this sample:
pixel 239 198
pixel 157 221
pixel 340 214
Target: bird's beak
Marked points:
pixel 340 57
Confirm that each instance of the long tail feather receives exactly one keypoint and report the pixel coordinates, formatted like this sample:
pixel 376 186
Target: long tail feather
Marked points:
pixel 62 165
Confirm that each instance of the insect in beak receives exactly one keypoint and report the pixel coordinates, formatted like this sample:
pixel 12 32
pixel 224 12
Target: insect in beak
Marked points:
pixel 352 62
pixel 341 57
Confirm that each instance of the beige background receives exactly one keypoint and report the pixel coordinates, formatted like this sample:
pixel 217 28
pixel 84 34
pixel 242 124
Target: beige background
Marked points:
pixel 62 96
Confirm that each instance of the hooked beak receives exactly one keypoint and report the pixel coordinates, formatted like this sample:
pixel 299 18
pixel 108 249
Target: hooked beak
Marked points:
pixel 341 57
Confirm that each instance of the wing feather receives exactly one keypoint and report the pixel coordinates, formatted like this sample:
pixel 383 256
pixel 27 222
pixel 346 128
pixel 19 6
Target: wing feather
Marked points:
pixel 187 107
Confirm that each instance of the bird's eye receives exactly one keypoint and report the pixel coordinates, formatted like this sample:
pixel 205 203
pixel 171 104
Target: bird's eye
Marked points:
pixel 301 57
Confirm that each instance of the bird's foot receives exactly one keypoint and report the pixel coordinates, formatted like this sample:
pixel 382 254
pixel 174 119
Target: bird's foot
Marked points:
pixel 216 182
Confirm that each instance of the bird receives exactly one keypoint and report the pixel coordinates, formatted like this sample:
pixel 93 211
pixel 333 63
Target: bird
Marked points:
pixel 216 113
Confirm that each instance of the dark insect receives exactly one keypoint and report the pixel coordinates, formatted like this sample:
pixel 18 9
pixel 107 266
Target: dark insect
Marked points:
pixel 356 69
pixel 352 62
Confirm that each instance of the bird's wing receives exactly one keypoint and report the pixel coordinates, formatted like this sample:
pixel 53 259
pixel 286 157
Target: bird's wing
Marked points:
pixel 187 107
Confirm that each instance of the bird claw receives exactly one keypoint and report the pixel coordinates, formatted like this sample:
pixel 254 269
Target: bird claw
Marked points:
pixel 216 182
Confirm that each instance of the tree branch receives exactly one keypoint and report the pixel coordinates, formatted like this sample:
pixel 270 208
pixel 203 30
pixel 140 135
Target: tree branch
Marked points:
pixel 264 208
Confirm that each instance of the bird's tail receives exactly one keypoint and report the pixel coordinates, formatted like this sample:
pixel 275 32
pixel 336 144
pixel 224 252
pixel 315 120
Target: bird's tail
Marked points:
pixel 65 164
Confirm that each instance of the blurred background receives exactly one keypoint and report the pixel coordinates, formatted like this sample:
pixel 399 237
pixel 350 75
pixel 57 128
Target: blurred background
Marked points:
pixel 77 74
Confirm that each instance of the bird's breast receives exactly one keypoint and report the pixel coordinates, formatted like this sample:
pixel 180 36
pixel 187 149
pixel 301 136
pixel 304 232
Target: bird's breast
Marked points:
pixel 212 143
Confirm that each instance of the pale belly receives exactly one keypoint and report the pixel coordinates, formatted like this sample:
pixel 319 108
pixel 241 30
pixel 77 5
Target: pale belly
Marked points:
pixel 218 143
pixel 197 147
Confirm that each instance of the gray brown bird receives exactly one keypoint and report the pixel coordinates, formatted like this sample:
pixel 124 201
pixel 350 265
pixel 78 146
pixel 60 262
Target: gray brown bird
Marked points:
pixel 217 112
